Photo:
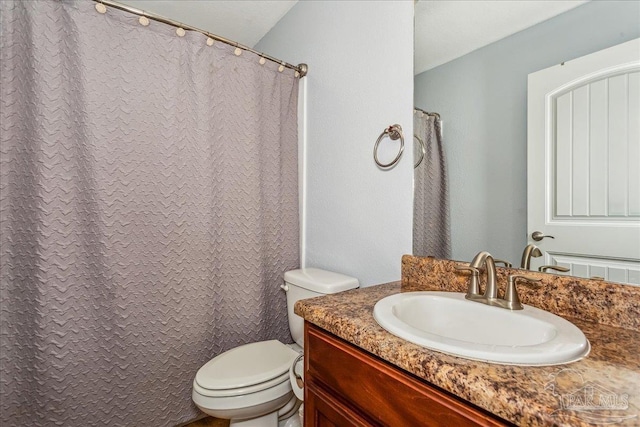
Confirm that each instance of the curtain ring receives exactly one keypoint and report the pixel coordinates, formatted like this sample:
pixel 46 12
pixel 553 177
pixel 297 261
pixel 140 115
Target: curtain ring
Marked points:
pixel 423 151
pixel 394 132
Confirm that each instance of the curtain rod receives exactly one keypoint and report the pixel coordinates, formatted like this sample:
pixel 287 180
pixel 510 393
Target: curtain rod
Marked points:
pixel 426 112
pixel 302 69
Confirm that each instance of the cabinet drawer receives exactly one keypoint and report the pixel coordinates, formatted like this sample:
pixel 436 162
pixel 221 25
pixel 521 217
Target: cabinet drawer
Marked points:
pixel 382 392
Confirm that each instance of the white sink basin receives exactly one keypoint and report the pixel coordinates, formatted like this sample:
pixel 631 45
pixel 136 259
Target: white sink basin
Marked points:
pixel 447 322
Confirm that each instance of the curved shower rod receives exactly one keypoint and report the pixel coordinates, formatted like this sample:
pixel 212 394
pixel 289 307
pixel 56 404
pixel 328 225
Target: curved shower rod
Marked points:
pixel 302 69
pixel 436 115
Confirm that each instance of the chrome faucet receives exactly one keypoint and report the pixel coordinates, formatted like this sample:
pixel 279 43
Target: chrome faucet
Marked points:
pixel 473 290
pixel 490 296
pixel 485 258
pixel 530 251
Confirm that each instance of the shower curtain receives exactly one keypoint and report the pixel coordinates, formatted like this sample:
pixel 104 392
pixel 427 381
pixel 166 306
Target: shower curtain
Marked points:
pixel 431 229
pixel 148 211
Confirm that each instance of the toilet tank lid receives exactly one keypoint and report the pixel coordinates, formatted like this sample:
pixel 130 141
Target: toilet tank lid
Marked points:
pixel 321 281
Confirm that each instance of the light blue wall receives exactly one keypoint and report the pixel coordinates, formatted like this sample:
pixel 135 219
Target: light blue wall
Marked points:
pixel 482 99
pixel 357 218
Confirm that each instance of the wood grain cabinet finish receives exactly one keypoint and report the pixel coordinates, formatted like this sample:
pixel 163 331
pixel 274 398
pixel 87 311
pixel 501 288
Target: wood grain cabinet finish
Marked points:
pixel 346 386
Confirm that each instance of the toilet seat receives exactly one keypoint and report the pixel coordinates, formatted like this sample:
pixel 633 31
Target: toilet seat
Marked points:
pixel 240 391
pixel 246 369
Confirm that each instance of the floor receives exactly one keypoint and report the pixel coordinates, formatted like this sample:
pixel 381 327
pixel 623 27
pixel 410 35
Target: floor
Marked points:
pixel 208 422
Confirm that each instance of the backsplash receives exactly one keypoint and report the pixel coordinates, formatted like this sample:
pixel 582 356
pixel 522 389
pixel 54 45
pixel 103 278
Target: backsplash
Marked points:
pixel 597 301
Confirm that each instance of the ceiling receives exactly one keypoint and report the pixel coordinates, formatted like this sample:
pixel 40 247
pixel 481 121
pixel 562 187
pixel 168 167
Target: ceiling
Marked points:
pixel 245 22
pixel 444 29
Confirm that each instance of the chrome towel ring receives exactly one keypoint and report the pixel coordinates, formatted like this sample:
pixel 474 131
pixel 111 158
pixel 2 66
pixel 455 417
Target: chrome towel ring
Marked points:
pixel 423 151
pixel 394 132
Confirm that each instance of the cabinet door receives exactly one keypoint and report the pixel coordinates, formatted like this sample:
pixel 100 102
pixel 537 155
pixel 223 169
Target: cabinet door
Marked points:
pixel 350 387
pixel 323 410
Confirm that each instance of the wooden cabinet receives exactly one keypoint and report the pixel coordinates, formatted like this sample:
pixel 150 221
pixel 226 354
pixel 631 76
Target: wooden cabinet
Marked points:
pixel 346 386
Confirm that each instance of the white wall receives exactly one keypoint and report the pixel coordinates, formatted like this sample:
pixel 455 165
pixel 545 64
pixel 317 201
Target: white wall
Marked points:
pixel 358 218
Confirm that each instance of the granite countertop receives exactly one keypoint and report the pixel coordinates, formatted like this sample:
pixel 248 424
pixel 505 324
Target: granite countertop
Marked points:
pixel 528 396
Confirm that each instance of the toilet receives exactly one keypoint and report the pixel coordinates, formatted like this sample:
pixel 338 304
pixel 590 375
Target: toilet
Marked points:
pixel 254 385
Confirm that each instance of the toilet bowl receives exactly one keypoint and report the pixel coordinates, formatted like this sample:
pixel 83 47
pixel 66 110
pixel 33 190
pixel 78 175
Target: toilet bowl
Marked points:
pixel 248 385
pixel 253 385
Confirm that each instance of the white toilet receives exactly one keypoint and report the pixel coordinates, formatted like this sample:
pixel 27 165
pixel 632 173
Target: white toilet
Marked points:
pixel 250 385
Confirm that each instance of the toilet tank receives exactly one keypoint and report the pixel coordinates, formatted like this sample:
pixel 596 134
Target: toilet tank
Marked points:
pixel 308 283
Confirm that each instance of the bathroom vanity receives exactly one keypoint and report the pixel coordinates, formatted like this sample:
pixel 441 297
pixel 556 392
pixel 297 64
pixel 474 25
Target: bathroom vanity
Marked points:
pixel 358 374
pixel 346 386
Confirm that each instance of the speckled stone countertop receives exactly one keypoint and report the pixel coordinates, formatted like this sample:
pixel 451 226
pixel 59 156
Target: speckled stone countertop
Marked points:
pixel 527 396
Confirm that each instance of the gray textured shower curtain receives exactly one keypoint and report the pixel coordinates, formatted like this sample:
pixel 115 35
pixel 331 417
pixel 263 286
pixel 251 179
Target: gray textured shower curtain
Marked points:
pixel 431 229
pixel 148 210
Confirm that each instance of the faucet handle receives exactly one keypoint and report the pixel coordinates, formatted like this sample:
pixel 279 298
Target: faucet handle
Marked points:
pixel 511 295
pixel 501 261
pixel 544 268
pixel 473 270
pixel 474 287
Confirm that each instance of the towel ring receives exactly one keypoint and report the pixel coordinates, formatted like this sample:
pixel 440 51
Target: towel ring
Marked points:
pixel 423 151
pixel 394 132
